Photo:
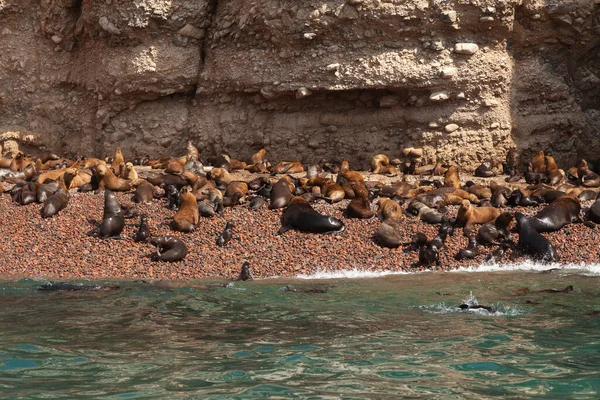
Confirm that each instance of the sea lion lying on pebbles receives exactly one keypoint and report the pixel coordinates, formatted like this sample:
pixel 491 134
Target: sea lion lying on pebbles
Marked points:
pixel 562 211
pixel 301 216
pixel 168 248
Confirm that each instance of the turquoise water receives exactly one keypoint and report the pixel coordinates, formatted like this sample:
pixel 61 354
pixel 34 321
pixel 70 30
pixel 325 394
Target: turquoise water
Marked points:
pixel 388 337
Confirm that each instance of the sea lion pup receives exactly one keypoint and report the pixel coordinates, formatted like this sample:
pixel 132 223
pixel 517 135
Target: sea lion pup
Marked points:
pixel 533 178
pixel 144 193
pixel 285 167
pixel 194 166
pixel 556 215
pixel 348 176
pixel 470 252
pixel 587 177
pixel 57 201
pixel 482 192
pixel 380 164
pixel 236 187
pixel 329 190
pixel 256 203
pixel 19 163
pixel 258 157
pixel 225 236
pixel 389 233
pixel 427 214
pixel 143 232
pixel 219 175
pixel 113 220
pixel 281 193
pixel 498 230
pixel 388 208
pixel 129 173
pixel 245 274
pixel 118 162
pixel 532 243
pixel 360 205
pixel 46 190
pixel 499 195
pixel 468 215
pixel 75 178
pixel 430 253
pixel 555 175
pixel 538 163
pixel 168 248
pixel 173 197
pixel 451 178
pixel 188 216
pixel 485 170
pixel 214 198
pixel 107 179
pixel 301 216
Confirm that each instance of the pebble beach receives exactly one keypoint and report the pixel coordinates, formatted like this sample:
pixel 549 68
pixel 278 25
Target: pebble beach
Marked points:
pixel 58 247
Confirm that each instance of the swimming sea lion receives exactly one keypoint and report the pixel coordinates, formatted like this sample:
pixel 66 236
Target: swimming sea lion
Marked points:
pixel 532 243
pixel 562 211
pixel 113 220
pixel 245 274
pixel 168 248
pixel 225 236
pixel 188 216
pixel 301 216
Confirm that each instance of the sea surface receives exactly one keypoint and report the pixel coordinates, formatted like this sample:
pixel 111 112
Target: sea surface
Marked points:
pixel 351 335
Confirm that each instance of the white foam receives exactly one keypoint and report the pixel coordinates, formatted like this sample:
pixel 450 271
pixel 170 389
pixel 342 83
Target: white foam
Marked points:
pixel 357 273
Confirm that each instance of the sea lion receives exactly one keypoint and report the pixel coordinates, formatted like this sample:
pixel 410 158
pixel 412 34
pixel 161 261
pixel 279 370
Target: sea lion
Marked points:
pixel 532 243
pixel 220 175
pixel 380 164
pixel 118 163
pixel 287 168
pixel 225 236
pixel 193 165
pixel 173 197
pixel 562 211
pixel 534 178
pixel 360 205
pixel 167 179
pixel 301 216
pixel 430 253
pixel 495 256
pixel 143 232
pixel 468 307
pixel 347 176
pixel 129 173
pixel 258 157
pixel 107 179
pixel 144 193
pixel 256 203
pixel 482 192
pixel 56 201
pixel 470 252
pixel 428 214
pixel 485 170
pixel 593 213
pixel 499 195
pixel 538 163
pixel 587 177
pixel 47 189
pixel 417 241
pixel 281 193
pixel 451 178
pixel 388 208
pixel 215 197
pixel 469 215
pixel 245 274
pixel 73 287
pixel 168 248
pixel 113 220
pixel 389 234
pixel 236 187
pixel 555 175
pixel 188 216
pixel 75 178
pixel 500 229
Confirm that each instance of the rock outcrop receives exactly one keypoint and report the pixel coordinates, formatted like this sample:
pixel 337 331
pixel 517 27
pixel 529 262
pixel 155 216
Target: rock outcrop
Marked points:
pixel 311 79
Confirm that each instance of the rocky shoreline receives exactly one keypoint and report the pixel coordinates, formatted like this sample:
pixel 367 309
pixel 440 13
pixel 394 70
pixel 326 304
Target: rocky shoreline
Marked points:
pixel 58 247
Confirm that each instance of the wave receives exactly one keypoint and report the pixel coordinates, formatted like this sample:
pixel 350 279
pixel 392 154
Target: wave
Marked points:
pixel 357 273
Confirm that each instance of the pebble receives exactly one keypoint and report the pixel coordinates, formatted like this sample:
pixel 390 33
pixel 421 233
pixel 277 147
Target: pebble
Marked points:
pixel 449 72
pixel 303 92
pixel 451 128
pixel 389 101
pixel 466 48
pixel 439 96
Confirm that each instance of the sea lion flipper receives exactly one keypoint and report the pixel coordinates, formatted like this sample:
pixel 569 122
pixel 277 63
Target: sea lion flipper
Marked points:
pixel 283 229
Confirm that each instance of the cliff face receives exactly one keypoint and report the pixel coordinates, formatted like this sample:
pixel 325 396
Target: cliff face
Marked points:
pixel 304 79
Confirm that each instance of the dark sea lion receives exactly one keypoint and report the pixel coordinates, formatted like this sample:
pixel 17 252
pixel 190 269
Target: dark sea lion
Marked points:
pixel 498 230
pixel 418 240
pixel 532 243
pixel 593 213
pixel 430 253
pixel 281 194
pixel 143 232
pixel 485 170
pixel 166 180
pixel 144 193
pixel 568 289
pixel 206 208
pixel 47 189
pixel 245 274
pixel 55 202
pixel 113 220
pixel 562 211
pixel 188 216
pixel 468 307
pixel 495 256
pixel 225 236
pixel 301 216
pixel 587 177
pixel 256 203
pixel 168 248
pixel 73 287
pixel 470 252
pixel 173 197
pixel 499 195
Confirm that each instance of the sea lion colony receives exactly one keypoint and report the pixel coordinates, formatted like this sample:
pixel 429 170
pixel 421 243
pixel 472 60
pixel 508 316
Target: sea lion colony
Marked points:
pixel 193 191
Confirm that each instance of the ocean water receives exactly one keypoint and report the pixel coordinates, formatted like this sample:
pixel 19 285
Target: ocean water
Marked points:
pixel 351 335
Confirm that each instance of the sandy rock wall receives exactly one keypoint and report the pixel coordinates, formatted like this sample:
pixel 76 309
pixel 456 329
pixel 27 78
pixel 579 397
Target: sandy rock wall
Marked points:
pixel 304 79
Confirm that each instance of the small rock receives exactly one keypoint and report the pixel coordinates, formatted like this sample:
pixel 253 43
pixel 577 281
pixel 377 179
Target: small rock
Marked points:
pixel 389 101
pixel 354 2
pixel 313 143
pixel 302 92
pixel 267 93
pixel 466 48
pixel 439 96
pixel 347 12
pixel 461 96
pixel 191 31
pixel 433 125
pixel 332 67
pixel 451 128
pixel 309 35
pixel 490 102
pixel 486 18
pixel 332 129
pixel 449 72
pixel 57 39
pixel 449 17
pixel 495 125
pixel 108 26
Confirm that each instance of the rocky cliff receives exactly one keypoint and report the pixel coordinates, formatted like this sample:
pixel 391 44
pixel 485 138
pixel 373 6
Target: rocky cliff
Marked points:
pixel 304 79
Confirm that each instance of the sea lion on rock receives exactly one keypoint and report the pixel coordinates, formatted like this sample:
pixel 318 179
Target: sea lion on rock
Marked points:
pixel 451 178
pixel 380 164
pixel 113 220
pixel 286 167
pixel 188 216
pixel 469 215
pixel 57 201
pixel 46 190
pixel 538 163
pixel 555 175
pixel 144 193
pixel 470 252
pixel 256 203
pixel 389 233
pixel 532 243
pixel 173 197
pixel 562 211
pixel 143 232
pixel 107 179
pixel 587 177
pixel 301 216
pixel 360 205
pixel 500 229
pixel 118 163
pixel 169 248
pixel 388 208
pixel 485 170
pixel 593 213
pixel 225 236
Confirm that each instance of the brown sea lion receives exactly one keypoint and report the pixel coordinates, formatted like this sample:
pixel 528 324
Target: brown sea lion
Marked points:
pixel 287 168
pixel 281 193
pixel 129 173
pixel 144 193
pixel 174 166
pixel 118 162
pixel 380 164
pixel 191 152
pixel 482 192
pixel 188 216
pixel 389 233
pixel 236 187
pixel 469 215
pixel 52 175
pixel 348 176
pixel 108 180
pixel 360 205
pixel 451 178
pixel 538 163
pixel 388 208
pixel 220 174
pixel 562 211
pixel 555 175
pixel 587 177
pixel 258 157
